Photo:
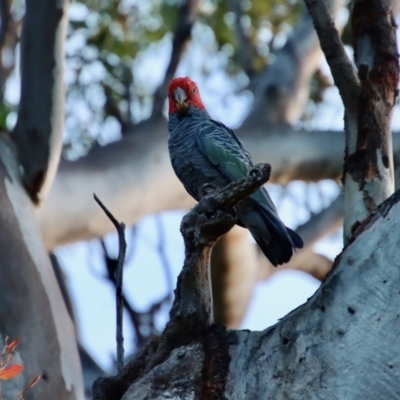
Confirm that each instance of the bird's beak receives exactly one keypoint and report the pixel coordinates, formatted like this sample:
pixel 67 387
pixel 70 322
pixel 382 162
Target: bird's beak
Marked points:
pixel 181 100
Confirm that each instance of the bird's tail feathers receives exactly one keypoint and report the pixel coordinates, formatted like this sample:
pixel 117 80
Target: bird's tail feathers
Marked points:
pixel 276 241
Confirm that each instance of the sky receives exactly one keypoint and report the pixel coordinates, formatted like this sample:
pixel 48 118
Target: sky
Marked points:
pixel 144 276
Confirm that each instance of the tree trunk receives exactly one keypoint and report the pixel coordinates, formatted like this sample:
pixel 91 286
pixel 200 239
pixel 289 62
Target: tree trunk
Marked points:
pixel 31 305
pixel 368 169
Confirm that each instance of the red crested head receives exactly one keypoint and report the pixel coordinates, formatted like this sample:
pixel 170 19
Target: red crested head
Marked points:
pixel 182 94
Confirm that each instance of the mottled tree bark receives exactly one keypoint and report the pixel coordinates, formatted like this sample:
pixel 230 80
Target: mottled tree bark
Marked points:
pixel 368 99
pixel 368 169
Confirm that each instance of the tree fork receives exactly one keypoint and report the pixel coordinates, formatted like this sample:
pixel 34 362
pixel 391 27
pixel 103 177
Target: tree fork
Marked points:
pixel 191 316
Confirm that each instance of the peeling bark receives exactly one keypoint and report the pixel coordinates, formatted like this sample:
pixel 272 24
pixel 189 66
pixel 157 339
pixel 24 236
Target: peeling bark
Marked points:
pixel 368 170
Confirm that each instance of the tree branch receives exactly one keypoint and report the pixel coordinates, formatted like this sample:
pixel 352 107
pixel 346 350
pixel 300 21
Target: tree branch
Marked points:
pixel 119 270
pixel 193 298
pixel 235 264
pixel 39 128
pixel 342 69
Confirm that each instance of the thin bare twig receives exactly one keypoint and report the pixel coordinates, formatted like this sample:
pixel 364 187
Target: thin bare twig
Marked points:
pixel 343 72
pixel 120 227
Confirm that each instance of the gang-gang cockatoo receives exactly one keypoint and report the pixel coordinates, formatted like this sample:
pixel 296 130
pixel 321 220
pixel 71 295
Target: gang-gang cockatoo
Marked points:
pixel 204 151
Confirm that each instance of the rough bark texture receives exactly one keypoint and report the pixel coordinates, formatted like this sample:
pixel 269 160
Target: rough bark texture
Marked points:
pixel 326 348
pixel 31 305
pixel 38 131
pixel 368 171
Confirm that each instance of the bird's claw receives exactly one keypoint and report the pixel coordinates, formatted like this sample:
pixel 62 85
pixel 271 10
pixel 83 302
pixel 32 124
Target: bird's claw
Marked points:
pixel 255 172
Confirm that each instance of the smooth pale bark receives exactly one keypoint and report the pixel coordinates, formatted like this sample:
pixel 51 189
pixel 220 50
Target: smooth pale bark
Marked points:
pixel 39 128
pixel 31 306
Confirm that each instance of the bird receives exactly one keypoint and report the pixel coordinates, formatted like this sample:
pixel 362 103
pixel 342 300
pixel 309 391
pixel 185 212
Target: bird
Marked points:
pixel 204 151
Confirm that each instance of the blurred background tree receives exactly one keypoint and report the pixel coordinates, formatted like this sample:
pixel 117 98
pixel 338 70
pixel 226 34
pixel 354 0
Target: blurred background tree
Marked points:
pixel 260 70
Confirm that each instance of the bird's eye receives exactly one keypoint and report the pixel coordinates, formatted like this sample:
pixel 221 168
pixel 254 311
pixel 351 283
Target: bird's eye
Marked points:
pixel 194 90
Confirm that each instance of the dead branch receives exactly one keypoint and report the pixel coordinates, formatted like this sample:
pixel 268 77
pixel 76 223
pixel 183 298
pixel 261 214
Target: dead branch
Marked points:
pixel 120 227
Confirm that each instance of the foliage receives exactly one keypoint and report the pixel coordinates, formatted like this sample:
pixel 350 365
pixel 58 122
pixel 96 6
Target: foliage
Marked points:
pixel 8 372
pixel 105 38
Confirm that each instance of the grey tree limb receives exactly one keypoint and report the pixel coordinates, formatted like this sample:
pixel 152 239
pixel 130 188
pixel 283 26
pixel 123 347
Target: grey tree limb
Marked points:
pixel 326 221
pixel 39 128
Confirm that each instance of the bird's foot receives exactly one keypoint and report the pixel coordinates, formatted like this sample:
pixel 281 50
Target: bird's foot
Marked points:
pixel 259 170
pixel 255 171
